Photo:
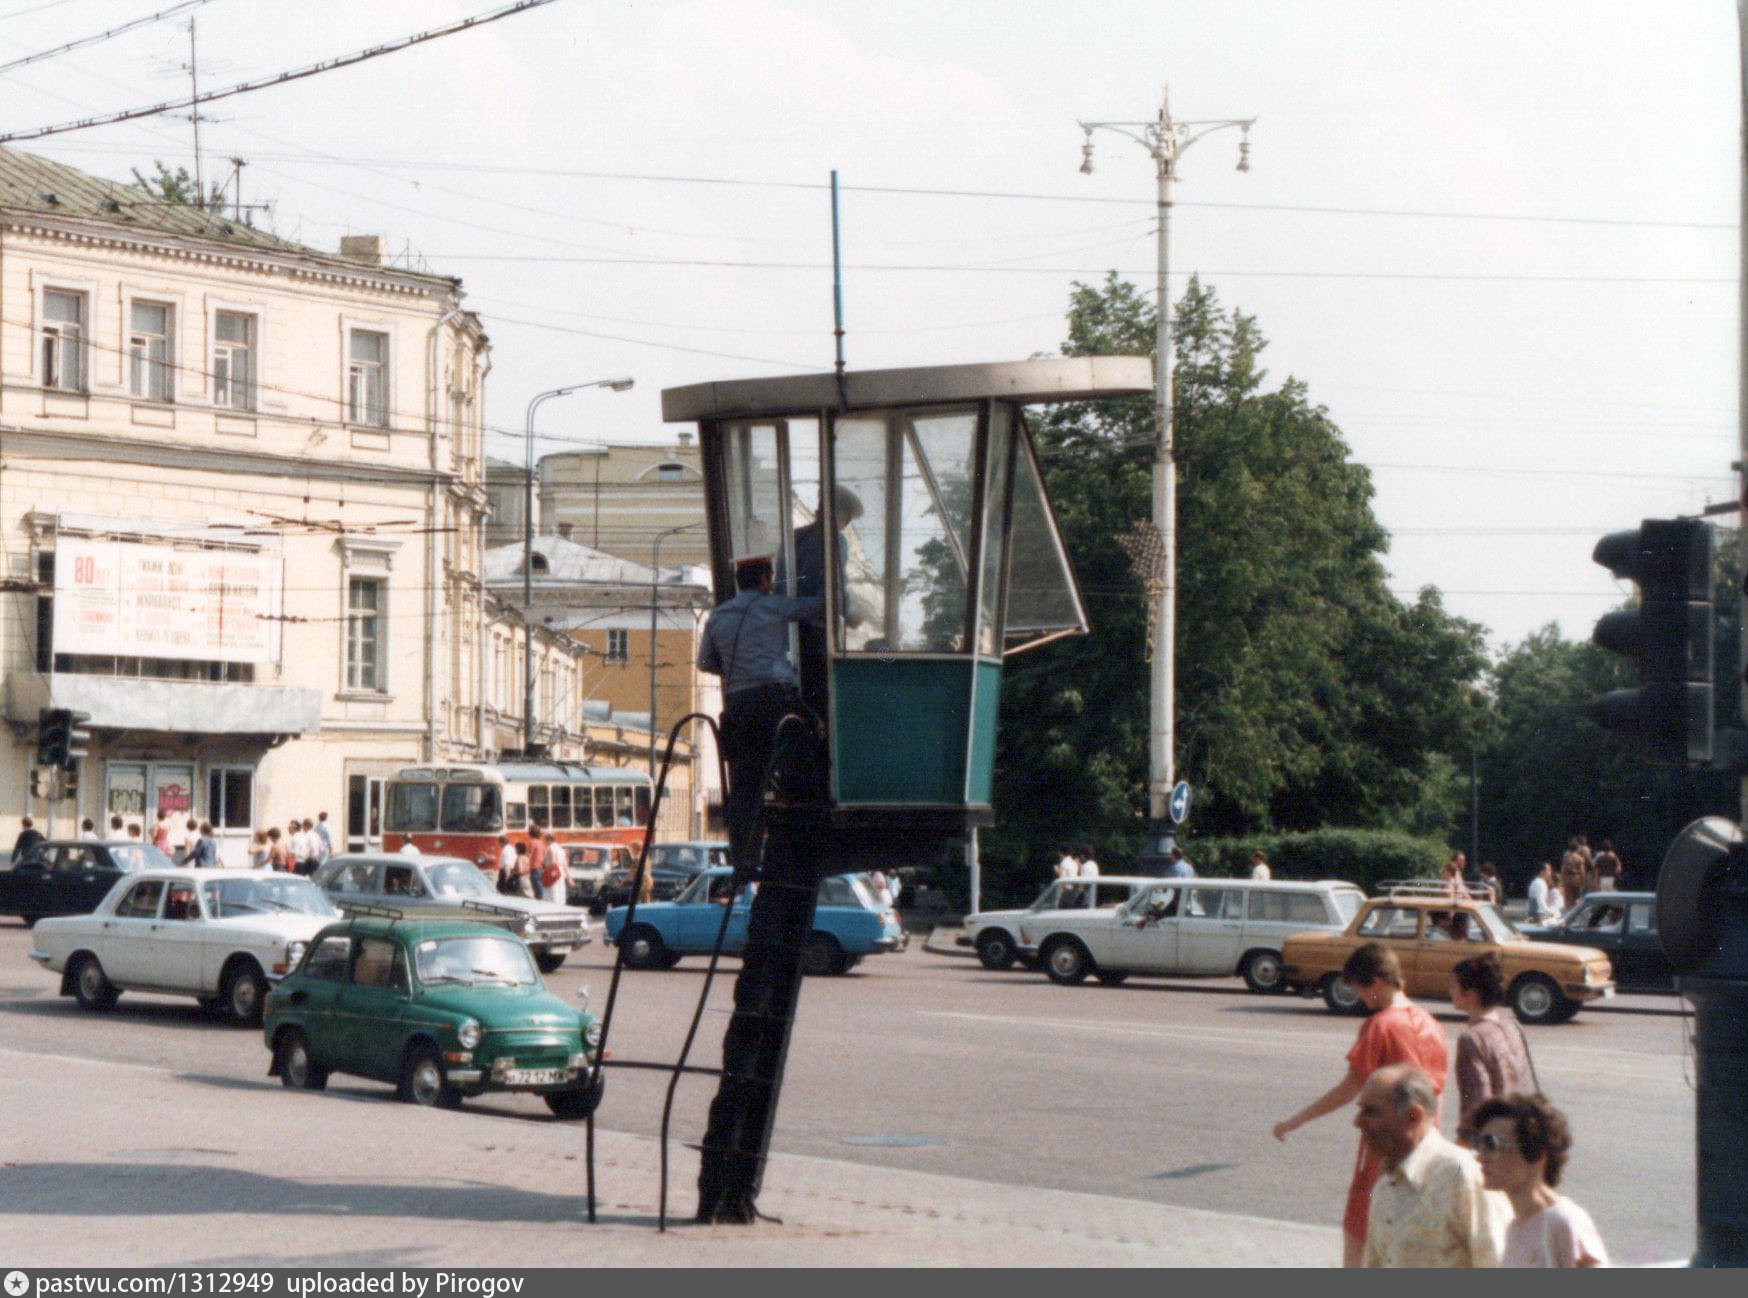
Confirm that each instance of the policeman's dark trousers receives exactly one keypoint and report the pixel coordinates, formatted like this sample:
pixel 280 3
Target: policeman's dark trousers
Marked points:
pixel 749 737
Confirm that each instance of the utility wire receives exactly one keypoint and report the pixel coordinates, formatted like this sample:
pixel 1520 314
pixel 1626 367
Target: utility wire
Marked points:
pixel 810 266
pixel 104 36
pixel 296 74
pixel 918 191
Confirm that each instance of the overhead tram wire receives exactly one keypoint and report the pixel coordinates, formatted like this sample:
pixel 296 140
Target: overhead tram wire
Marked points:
pixel 100 37
pixel 296 74
pixel 1012 195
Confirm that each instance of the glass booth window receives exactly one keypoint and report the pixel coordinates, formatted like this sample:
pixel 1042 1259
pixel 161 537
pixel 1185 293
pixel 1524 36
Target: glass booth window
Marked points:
pixel 755 491
pixel 905 558
pixel 1042 601
pixel 995 517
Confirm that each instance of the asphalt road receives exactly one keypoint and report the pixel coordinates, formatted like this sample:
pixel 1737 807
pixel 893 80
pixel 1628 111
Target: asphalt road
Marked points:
pixel 1150 1091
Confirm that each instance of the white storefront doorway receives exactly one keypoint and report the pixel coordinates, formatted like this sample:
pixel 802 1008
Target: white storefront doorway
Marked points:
pixel 230 801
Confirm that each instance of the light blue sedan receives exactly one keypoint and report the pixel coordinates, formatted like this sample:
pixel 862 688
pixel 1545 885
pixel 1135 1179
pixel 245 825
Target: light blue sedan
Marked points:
pixel 847 925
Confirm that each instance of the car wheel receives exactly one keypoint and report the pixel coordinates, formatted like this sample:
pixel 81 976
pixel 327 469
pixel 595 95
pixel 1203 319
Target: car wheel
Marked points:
pixel 91 987
pixel 549 961
pixel 644 949
pixel 1066 962
pixel 1263 973
pixel 242 993
pixel 1536 998
pixel 821 954
pixel 578 1103
pixel 296 1068
pixel 423 1082
pixel 996 949
pixel 1340 996
pixel 1112 977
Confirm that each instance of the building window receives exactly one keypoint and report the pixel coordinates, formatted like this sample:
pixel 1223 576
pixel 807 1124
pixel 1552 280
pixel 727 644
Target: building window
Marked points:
pixel 63 340
pixel 149 355
pixel 367 378
pixel 233 360
pixel 364 633
pixel 618 646
pixel 670 472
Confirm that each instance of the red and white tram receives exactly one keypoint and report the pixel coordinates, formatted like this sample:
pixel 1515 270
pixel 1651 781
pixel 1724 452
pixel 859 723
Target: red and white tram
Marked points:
pixel 460 810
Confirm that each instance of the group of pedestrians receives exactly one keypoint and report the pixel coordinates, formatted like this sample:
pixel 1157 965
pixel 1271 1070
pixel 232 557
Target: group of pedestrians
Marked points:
pixel 298 849
pixel 1076 863
pixel 536 866
pixel 1417 1199
pixel 1580 871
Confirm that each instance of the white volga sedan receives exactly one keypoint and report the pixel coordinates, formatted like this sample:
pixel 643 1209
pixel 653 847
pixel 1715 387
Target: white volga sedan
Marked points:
pixel 222 936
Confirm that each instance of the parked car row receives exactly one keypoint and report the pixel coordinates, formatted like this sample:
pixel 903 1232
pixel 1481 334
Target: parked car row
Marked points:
pixel 1282 936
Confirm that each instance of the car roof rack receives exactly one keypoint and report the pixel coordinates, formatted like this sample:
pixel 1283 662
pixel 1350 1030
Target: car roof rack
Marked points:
pixel 363 910
pixel 1434 889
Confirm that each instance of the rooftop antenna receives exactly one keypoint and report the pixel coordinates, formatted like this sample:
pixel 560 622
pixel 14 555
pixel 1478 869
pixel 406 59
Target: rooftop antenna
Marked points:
pixel 194 114
pixel 838 293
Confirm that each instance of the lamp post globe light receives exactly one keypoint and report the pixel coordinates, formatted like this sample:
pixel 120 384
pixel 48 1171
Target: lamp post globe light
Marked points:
pixel 528 725
pixel 1165 139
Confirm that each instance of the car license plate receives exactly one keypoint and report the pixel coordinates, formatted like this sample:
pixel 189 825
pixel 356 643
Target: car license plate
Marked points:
pixel 533 1076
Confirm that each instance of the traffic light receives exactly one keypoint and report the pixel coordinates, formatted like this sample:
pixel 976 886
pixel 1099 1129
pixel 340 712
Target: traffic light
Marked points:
pixel 1669 716
pixel 37 783
pixel 54 727
pixel 59 739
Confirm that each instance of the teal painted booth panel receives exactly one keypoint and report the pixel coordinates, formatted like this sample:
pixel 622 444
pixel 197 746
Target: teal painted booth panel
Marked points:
pixel 900 728
pixel 980 777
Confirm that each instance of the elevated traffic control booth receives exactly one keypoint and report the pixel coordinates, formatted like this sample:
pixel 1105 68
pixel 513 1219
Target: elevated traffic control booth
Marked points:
pixel 941 556
pixel 911 501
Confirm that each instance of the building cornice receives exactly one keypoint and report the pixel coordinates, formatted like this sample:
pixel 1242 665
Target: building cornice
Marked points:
pixel 69 444
pixel 307 265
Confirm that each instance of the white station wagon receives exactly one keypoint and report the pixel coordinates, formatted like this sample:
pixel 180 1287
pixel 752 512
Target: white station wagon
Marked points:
pixel 1195 927
pixel 995 933
pixel 221 936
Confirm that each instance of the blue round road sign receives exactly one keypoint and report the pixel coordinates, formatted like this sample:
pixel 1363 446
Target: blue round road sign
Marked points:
pixel 1180 803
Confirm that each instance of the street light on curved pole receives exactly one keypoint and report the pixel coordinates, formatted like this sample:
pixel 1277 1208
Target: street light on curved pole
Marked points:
pixel 655 579
pixel 618 385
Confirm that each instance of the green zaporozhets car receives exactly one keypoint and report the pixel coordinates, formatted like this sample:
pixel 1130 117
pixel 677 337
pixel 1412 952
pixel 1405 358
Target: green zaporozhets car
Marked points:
pixel 444 1009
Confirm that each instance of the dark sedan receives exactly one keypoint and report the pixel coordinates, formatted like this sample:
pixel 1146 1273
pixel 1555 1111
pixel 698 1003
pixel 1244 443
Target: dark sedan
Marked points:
pixel 67 878
pixel 1624 924
pixel 672 867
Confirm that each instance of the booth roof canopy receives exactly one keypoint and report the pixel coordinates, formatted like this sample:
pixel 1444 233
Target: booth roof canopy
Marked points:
pixel 1070 378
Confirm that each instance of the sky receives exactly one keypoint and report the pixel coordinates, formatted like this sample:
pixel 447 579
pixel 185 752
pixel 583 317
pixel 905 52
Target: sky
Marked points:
pixel 1498 241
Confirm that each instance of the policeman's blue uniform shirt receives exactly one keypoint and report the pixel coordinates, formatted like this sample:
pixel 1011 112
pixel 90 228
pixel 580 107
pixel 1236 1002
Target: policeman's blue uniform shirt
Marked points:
pixel 746 640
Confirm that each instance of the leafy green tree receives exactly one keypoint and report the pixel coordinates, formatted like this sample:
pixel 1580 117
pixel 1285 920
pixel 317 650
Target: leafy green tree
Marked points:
pixel 176 186
pixel 1307 694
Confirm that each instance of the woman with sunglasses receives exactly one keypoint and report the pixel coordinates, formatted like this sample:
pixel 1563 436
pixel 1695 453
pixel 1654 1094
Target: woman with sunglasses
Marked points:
pixel 1522 1145
pixel 1492 1056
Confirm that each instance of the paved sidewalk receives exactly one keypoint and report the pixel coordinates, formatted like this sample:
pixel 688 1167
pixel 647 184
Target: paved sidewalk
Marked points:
pixel 203 1171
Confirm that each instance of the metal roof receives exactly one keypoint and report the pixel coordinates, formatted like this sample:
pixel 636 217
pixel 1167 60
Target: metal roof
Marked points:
pixel 1066 378
pixel 37 185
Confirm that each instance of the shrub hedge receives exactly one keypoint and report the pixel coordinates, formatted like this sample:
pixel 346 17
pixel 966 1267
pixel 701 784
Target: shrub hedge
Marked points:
pixel 1364 856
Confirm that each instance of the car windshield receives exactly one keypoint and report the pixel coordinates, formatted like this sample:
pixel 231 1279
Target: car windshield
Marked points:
pixel 265 894
pixel 474 960
pixel 457 879
pixel 1499 928
pixel 1048 899
pixel 1347 904
pixel 138 856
